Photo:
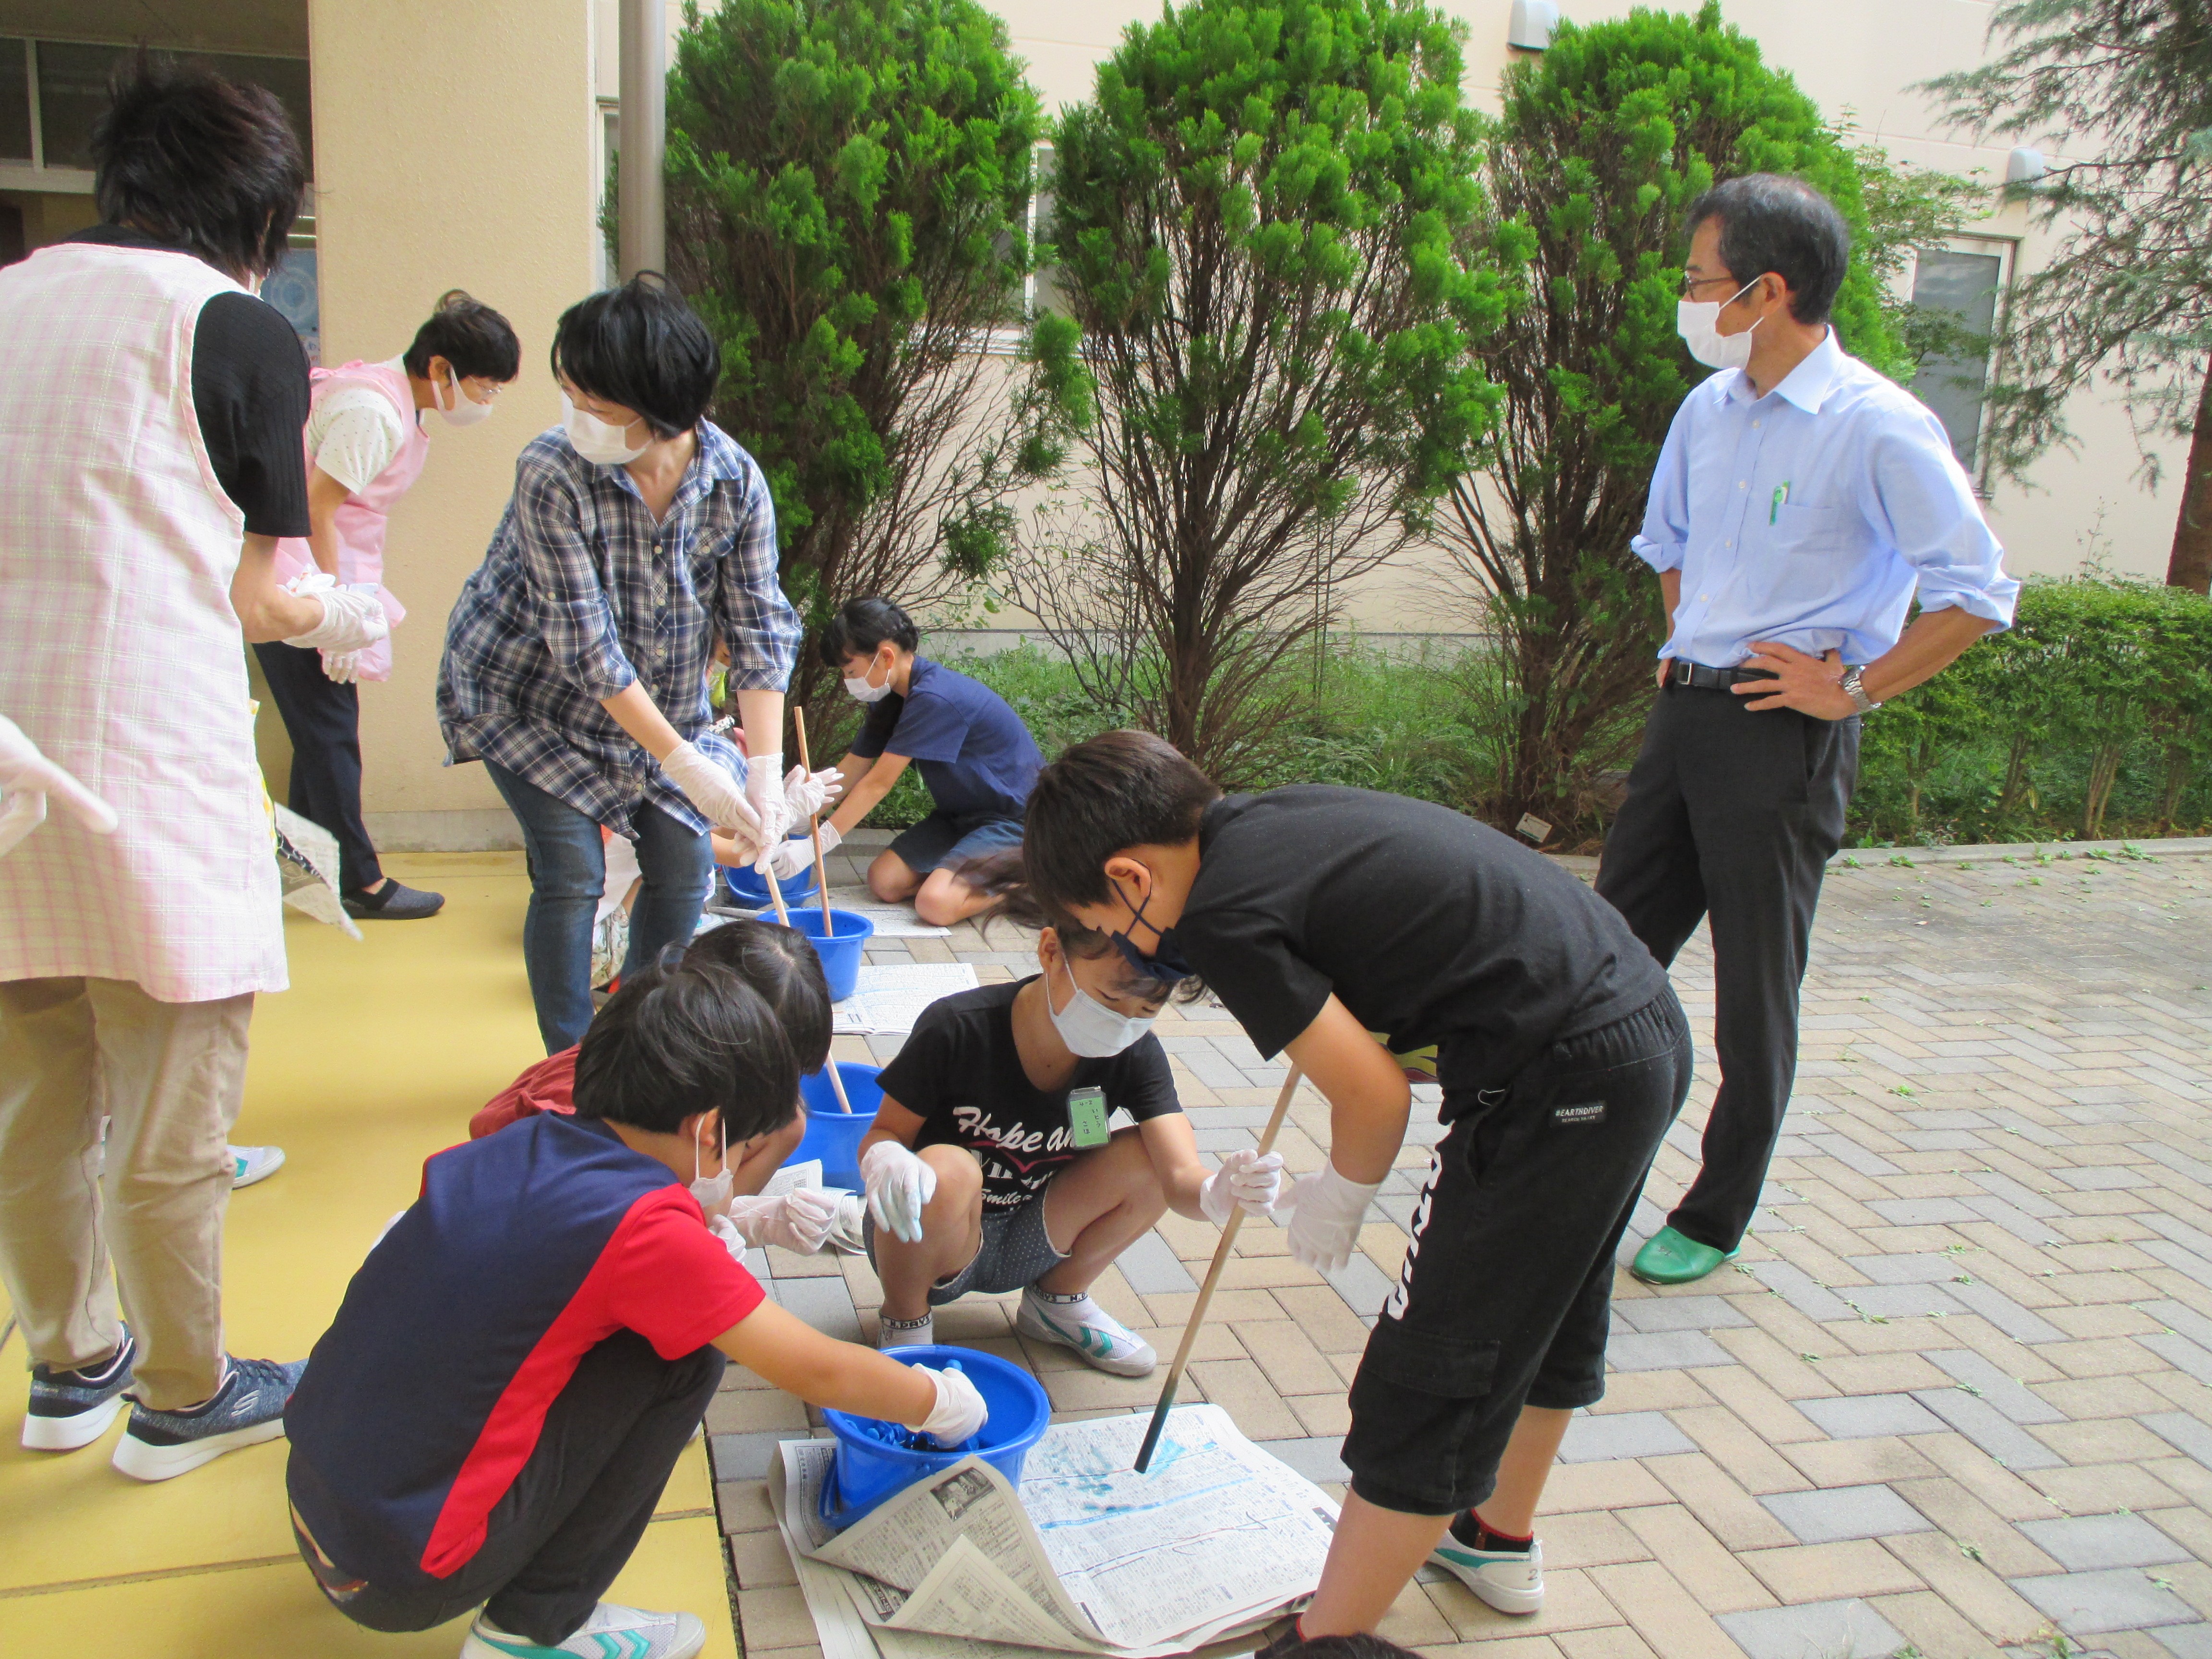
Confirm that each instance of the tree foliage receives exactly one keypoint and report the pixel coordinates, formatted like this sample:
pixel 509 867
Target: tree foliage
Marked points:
pixel 1269 233
pixel 848 190
pixel 1603 143
pixel 2128 299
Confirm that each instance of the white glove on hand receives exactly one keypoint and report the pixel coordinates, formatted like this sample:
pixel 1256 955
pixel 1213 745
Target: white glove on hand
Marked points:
pixel 1244 1178
pixel 797 1220
pixel 352 617
pixel 899 1184
pixel 795 857
pixel 960 1411
pixel 27 777
pixel 764 794
pixel 342 667
pixel 715 792
pixel 1326 1211
pixel 807 793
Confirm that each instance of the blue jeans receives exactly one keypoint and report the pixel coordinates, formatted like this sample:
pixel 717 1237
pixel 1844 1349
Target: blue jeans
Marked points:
pixel 567 874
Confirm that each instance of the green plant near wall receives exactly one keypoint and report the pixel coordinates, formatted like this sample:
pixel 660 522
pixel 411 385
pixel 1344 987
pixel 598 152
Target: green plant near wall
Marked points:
pixel 1603 144
pixel 849 185
pixel 1269 231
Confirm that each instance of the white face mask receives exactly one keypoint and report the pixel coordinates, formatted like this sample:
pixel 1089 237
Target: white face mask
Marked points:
pixel 862 691
pixel 465 411
pixel 1699 323
pixel 712 1192
pixel 1088 1026
pixel 596 439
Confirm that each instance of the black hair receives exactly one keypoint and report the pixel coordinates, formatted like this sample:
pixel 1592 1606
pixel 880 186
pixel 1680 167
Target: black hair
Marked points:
pixel 1770 223
pixel 199 161
pixel 1363 1644
pixel 861 626
pixel 783 967
pixel 640 346
pixel 469 334
pixel 682 1037
pixel 1105 794
pixel 1003 877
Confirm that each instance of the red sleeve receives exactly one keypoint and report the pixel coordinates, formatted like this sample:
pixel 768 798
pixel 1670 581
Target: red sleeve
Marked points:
pixel 666 1277
pixel 547 1086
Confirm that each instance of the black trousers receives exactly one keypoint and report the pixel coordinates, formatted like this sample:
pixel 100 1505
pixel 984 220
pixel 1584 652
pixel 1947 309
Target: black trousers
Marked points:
pixel 571 1519
pixel 323 719
pixel 1733 814
pixel 1505 1298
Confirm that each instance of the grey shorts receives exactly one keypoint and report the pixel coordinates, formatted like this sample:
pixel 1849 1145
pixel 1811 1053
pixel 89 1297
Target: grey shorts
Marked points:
pixel 941 842
pixel 1016 1252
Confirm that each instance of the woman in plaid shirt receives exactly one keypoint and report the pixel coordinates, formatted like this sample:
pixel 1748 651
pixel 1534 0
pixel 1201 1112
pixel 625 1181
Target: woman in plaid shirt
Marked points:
pixel 576 657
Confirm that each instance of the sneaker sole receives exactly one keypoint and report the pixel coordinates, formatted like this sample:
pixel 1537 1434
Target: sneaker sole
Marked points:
pixel 60 1434
pixel 475 1647
pixel 142 1461
pixel 1111 1367
pixel 1519 1603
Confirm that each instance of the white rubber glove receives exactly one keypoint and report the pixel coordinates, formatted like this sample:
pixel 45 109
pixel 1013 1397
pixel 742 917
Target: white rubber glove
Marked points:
pixel 795 858
pixel 27 777
pixel 960 1411
pixel 342 667
pixel 797 1220
pixel 715 792
pixel 899 1184
pixel 764 794
pixel 1326 1211
pixel 352 617
pixel 807 793
pixel 1244 1178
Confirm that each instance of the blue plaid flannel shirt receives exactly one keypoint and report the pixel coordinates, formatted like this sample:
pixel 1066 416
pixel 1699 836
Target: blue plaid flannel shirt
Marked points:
pixel 581 595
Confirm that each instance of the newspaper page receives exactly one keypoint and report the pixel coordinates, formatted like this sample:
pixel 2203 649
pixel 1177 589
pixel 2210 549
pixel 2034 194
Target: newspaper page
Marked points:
pixel 890 996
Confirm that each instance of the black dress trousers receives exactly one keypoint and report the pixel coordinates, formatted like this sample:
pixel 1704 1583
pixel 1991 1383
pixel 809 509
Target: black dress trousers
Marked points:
pixel 323 719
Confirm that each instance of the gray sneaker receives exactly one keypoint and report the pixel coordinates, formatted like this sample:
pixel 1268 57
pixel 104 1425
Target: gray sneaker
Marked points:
pixel 248 1409
pixel 70 1409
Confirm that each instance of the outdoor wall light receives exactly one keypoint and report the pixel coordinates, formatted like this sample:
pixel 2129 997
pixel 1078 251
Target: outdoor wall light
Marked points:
pixel 2025 166
pixel 1530 27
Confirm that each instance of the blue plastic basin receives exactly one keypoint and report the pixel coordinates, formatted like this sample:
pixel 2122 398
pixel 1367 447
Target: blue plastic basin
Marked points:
pixel 871 1465
pixel 749 888
pixel 842 951
pixel 834 1136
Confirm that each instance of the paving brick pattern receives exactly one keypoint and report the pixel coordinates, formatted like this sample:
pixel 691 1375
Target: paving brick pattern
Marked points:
pixel 1954 1400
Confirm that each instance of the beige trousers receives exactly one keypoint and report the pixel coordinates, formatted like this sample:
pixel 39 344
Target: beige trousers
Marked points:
pixel 170 1076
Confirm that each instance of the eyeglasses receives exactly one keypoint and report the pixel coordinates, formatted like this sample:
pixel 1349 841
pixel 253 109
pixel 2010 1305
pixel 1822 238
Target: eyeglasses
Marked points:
pixel 1691 284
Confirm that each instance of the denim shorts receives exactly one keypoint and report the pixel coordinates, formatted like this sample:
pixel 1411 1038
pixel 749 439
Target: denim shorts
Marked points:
pixel 941 842
pixel 1016 1252
pixel 1506 1298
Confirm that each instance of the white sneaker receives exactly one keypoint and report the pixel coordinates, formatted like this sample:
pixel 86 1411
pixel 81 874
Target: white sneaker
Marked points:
pixel 1507 1579
pixel 1103 1340
pixel 251 1163
pixel 845 1234
pixel 922 1335
pixel 632 1632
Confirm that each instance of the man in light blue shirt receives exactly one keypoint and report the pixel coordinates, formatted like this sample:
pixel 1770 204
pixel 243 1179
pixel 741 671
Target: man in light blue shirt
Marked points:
pixel 1800 503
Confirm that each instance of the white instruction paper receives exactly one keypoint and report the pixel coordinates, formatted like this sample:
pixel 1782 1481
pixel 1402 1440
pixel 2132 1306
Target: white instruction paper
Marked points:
pixel 891 996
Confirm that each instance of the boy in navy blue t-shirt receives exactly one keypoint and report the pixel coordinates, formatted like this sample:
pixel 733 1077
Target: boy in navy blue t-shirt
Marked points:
pixel 977 758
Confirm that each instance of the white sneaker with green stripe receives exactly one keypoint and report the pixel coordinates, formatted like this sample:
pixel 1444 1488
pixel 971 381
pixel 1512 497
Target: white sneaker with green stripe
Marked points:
pixel 611 1632
pixel 1079 1323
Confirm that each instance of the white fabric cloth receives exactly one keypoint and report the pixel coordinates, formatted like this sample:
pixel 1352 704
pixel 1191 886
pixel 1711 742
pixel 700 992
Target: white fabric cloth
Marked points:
pixel 353 432
pixel 119 653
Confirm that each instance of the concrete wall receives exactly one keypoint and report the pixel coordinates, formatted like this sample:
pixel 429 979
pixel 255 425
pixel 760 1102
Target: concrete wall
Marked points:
pixel 454 148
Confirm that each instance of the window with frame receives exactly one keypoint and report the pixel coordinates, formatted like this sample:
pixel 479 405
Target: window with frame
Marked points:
pixel 1963 279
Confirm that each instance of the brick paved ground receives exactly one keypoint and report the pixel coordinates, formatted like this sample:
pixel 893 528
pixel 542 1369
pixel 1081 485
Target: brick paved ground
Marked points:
pixel 1955 1401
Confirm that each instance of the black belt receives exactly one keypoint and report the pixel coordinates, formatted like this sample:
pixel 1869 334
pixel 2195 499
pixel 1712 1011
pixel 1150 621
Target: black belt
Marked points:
pixel 1696 674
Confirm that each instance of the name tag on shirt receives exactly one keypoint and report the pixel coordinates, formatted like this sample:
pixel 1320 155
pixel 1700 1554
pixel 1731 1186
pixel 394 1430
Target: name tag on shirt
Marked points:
pixel 1086 1118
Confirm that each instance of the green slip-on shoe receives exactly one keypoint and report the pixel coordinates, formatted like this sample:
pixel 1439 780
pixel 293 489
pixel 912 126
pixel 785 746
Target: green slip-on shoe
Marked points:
pixel 1667 1258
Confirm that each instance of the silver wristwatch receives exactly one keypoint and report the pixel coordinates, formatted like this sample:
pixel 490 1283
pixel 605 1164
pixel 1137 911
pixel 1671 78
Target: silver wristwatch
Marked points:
pixel 1856 692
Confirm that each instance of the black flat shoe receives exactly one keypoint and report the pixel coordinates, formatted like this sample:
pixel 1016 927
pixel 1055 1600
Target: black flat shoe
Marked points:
pixel 393 903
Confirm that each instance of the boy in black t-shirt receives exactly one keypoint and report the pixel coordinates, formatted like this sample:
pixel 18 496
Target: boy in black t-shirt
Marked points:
pixel 1323 917
pixel 991 1167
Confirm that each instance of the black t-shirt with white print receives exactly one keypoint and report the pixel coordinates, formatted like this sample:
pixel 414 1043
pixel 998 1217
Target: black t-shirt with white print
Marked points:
pixel 961 1075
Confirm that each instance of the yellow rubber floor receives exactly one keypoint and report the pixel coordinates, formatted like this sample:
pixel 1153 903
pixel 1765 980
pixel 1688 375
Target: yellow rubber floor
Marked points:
pixel 371 1062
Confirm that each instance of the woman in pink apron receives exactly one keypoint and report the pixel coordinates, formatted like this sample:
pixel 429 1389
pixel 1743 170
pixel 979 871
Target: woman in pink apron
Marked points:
pixel 366 445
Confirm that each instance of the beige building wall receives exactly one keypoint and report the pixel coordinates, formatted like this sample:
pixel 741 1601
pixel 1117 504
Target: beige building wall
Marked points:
pixel 454 149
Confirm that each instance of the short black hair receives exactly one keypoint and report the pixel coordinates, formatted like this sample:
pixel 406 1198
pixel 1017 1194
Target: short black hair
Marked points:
pixel 1361 1644
pixel 1117 790
pixel 469 334
pixel 783 967
pixel 640 346
pixel 1769 222
pixel 682 1037
pixel 861 626
pixel 199 161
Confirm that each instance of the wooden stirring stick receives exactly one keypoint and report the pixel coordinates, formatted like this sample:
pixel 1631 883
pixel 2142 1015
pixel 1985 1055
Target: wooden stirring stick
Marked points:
pixel 822 880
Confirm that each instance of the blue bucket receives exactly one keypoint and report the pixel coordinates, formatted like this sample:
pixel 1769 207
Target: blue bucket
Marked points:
pixel 749 888
pixel 834 1136
pixel 874 1462
pixel 842 951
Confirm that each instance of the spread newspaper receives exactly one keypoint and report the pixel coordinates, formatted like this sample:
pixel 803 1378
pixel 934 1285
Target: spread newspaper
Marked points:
pixel 1216 1541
